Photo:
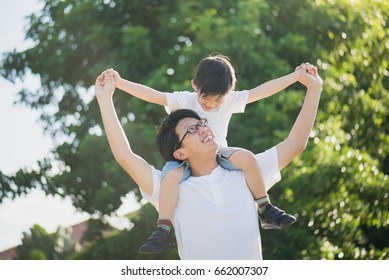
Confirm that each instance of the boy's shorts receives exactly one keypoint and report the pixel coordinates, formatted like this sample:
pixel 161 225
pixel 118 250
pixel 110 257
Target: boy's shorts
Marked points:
pixel 222 158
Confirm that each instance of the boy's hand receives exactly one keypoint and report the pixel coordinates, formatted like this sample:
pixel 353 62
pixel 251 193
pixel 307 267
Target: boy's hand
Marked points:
pixel 114 74
pixel 307 67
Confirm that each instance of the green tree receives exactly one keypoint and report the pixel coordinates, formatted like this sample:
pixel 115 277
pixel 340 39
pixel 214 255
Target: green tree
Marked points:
pixel 40 245
pixel 338 187
pixel 124 245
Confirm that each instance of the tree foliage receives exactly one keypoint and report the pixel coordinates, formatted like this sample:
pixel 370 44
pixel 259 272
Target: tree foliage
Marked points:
pixel 40 245
pixel 124 245
pixel 338 187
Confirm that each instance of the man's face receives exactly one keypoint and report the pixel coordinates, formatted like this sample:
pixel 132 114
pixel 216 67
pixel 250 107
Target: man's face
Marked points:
pixel 202 140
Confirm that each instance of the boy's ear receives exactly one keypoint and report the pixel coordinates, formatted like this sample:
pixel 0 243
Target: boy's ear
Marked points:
pixel 194 86
pixel 180 154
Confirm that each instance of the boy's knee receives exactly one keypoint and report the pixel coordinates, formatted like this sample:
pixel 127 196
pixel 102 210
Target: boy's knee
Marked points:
pixel 247 155
pixel 243 158
pixel 175 174
pixel 178 171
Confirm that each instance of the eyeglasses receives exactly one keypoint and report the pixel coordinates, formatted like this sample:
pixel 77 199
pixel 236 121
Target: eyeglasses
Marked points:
pixel 192 129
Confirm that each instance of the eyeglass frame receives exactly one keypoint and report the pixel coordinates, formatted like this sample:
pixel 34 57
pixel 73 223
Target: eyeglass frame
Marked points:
pixel 192 129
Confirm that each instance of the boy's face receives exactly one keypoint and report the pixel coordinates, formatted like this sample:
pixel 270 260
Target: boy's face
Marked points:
pixel 211 102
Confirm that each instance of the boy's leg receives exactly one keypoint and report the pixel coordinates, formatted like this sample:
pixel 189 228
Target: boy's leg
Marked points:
pixel 162 239
pixel 270 216
pixel 168 194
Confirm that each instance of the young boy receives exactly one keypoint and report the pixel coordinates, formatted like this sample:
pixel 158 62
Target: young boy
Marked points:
pixel 215 101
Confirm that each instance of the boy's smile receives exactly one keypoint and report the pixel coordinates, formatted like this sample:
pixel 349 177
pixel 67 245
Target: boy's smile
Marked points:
pixel 210 103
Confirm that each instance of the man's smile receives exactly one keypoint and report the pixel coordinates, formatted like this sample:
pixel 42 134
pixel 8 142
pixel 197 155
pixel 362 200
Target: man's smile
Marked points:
pixel 207 138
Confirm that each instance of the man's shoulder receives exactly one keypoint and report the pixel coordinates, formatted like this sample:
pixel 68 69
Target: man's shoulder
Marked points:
pixel 227 172
pixel 153 196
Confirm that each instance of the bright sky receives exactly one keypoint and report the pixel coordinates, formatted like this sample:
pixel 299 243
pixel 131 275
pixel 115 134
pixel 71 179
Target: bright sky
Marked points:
pixel 22 141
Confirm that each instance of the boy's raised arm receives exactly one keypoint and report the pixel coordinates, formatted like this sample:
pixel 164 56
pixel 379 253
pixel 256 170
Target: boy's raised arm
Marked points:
pixel 137 90
pixel 133 164
pixel 273 86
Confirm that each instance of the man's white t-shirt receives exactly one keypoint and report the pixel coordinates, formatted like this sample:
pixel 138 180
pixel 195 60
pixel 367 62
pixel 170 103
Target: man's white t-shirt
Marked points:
pixel 216 216
pixel 218 119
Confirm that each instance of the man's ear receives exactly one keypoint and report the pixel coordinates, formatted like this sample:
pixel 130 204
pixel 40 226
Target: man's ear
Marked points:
pixel 180 154
pixel 194 86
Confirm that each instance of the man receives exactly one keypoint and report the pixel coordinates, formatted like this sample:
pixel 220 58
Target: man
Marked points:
pixel 215 217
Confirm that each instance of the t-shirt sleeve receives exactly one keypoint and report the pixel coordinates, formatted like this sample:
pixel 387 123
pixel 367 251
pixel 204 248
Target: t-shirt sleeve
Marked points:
pixel 238 101
pixel 154 197
pixel 268 162
pixel 177 100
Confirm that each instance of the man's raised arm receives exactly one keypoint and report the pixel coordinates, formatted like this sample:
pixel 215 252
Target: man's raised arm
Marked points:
pixel 298 136
pixel 133 164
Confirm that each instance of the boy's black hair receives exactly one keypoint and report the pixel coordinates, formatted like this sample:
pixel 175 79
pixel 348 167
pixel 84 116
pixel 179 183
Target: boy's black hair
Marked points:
pixel 167 138
pixel 214 76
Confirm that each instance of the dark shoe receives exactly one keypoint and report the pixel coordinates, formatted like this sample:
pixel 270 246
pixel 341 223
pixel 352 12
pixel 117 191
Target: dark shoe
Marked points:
pixel 274 218
pixel 159 241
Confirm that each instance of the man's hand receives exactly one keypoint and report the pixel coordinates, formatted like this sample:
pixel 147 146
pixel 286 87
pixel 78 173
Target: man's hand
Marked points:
pixel 104 86
pixel 309 76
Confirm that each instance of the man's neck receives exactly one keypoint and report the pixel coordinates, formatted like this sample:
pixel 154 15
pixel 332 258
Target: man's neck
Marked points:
pixel 202 167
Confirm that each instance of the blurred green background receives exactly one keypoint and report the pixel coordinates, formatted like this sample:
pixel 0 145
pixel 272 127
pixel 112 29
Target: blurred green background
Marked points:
pixel 338 188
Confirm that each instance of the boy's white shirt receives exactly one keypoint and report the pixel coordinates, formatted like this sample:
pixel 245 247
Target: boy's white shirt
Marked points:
pixel 216 216
pixel 218 119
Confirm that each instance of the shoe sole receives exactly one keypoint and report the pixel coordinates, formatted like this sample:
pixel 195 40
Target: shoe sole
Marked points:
pixel 281 227
pixel 163 250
